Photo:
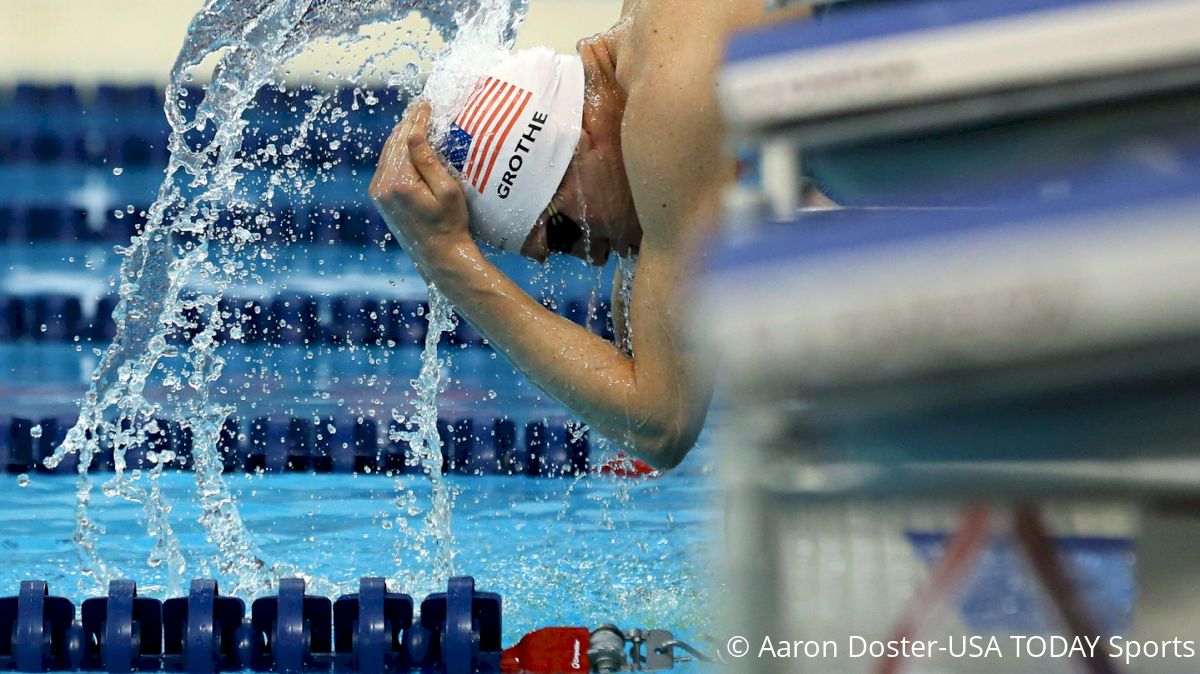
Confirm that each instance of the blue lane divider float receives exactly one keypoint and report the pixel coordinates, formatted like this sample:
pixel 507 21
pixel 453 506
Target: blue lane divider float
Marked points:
pixel 38 631
pixel 200 631
pixel 289 633
pixel 467 627
pixel 370 628
pixel 21 223
pixel 284 320
pixel 343 444
pixel 371 631
pixel 122 632
pixel 125 126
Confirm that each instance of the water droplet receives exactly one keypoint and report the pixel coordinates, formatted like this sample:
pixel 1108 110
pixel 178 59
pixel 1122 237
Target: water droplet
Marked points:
pixel 118 171
pixel 36 431
pixel 119 214
pixel 23 480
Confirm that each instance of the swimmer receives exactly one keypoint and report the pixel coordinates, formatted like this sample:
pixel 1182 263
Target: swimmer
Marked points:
pixel 640 172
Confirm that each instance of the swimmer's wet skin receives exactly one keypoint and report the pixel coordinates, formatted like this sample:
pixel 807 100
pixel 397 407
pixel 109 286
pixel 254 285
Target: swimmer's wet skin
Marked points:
pixel 510 184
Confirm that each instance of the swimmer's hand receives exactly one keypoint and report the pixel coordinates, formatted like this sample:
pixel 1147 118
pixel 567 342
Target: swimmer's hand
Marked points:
pixel 421 201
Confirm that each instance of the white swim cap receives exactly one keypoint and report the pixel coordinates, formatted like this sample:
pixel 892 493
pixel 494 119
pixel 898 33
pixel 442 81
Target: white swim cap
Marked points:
pixel 512 141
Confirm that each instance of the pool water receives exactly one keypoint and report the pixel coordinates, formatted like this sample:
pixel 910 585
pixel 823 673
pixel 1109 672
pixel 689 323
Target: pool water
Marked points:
pixel 571 551
pixel 560 551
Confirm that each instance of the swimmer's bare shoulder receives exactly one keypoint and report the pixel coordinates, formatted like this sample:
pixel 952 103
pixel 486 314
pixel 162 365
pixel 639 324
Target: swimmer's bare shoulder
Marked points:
pixel 667 54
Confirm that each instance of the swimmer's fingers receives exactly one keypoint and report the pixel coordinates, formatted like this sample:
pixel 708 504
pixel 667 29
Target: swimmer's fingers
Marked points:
pixel 442 185
pixel 390 159
pixel 393 157
pixel 397 183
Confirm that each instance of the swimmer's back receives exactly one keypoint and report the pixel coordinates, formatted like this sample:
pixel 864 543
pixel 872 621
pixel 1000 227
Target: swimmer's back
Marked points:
pixel 667 53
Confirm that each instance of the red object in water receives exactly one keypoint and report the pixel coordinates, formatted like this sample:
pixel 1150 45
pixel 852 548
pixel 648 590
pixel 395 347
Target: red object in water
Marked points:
pixel 624 466
pixel 550 650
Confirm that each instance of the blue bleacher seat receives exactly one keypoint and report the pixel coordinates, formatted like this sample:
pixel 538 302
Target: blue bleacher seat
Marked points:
pixel 146 96
pixel 255 321
pixel 362 227
pixel 347 98
pixel 405 323
pixel 8 148
pixel 75 227
pixel 89 147
pixel 282 228
pixel 34 95
pixel 464 444
pixel 42 223
pixel 299 443
pixel 52 436
pixel 365 438
pixel 334 448
pixel 48 223
pixel 535 447
pixel 110 96
pixel 26 94
pixel 377 228
pixel 44 146
pixel 354 226
pixel 465 334
pixel 358 320
pixel 125 99
pixel 294 319
pixel 268 445
pixel 140 149
pixel 512 457
pixel 14 318
pixel 21 452
pixel 323 226
pixel 103 328
pixel 556 447
pixel 56 318
pixel 122 229
pixel 363 148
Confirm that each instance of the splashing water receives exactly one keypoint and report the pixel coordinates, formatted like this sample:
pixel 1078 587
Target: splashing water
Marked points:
pixel 174 272
pixel 423 437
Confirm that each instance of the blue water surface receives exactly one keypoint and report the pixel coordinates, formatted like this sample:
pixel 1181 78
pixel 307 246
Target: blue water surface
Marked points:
pixel 572 551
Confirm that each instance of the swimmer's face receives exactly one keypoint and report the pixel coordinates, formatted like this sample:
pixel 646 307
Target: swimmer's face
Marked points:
pixel 594 200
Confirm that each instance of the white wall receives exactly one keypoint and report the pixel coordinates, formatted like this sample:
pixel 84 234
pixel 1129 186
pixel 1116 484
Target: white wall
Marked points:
pixel 136 40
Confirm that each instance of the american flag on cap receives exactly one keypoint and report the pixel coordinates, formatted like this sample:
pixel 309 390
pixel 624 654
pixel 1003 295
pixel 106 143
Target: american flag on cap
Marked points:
pixel 482 127
pixel 512 138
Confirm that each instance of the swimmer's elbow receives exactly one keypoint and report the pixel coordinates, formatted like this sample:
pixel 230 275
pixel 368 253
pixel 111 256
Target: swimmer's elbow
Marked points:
pixel 667 448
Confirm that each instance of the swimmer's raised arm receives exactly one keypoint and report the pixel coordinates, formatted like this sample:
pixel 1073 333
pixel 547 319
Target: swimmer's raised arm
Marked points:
pixel 426 208
pixel 646 176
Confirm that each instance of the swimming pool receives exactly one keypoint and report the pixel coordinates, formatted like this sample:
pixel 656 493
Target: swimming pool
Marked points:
pixel 559 551
pixel 329 331
pixel 569 550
